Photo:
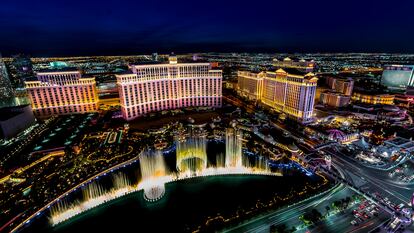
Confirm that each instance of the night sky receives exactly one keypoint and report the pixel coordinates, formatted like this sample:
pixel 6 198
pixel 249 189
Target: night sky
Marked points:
pixel 91 27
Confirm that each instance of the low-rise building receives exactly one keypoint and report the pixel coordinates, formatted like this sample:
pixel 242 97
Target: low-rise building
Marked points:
pixel 373 98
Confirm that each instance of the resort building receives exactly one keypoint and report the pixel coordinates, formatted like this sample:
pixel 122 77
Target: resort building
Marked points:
pixel 341 85
pixel 292 94
pixel 250 85
pixel 62 92
pixel 334 99
pixel 373 98
pixel 157 87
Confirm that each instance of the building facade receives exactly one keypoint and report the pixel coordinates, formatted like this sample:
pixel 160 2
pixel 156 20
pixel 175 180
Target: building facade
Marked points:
pixel 344 86
pixel 292 94
pixel 406 101
pixel 249 85
pixel 334 99
pixel 341 85
pixel 62 92
pixel 158 87
pixel 373 98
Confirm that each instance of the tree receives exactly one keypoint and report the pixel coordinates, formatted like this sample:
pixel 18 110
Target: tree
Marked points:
pixel 327 208
pixel 281 228
pixel 272 229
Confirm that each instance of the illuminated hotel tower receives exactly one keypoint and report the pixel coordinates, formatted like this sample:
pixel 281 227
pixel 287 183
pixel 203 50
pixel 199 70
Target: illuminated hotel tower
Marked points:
pixel 292 94
pixel 150 88
pixel 62 92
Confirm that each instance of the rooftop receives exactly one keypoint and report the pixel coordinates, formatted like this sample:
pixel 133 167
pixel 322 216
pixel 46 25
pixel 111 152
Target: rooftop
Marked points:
pixel 399 141
pixel 10 112
pixel 55 70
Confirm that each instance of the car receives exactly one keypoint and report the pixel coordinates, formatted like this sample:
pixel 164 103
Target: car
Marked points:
pixel 358 219
pixel 400 206
pixel 366 216
pixel 354 223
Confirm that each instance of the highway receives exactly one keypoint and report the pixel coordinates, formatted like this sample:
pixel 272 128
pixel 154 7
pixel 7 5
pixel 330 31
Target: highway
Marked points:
pixel 371 179
pixel 290 216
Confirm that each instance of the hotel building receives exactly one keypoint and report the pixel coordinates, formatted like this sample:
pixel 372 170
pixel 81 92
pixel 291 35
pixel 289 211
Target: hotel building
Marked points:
pixel 292 94
pixel 341 85
pixel 250 85
pixel 158 87
pixel 334 99
pixel 62 92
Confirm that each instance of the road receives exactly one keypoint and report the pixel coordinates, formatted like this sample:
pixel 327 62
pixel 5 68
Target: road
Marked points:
pixel 370 179
pixel 290 216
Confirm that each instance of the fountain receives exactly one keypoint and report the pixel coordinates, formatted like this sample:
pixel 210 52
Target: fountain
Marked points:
pixel 233 148
pixel 192 154
pixel 154 175
pixel 94 194
pixel 191 162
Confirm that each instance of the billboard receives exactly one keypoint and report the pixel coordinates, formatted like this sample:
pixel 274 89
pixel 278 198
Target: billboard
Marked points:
pixel 397 76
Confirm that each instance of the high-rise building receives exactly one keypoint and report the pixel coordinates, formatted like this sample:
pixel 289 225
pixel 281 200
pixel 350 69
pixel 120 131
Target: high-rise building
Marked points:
pixel 22 68
pixel 292 94
pixel 250 85
pixel 302 65
pixel 6 90
pixel 62 92
pixel 158 87
pixel 341 85
pixel 398 77
pixel 334 99
pixel 344 86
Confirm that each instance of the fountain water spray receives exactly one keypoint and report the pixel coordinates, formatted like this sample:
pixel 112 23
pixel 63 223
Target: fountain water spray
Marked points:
pixel 154 176
pixel 233 148
pixel 192 154
pixel 191 162
pixel 94 195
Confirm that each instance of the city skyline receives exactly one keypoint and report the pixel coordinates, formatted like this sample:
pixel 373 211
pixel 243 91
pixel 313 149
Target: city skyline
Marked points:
pixel 51 28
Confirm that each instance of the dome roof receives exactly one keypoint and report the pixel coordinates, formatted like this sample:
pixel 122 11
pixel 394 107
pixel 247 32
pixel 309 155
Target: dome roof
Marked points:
pixel 335 134
pixel 292 147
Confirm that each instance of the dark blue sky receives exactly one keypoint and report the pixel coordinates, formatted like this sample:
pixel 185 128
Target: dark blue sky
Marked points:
pixel 91 27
